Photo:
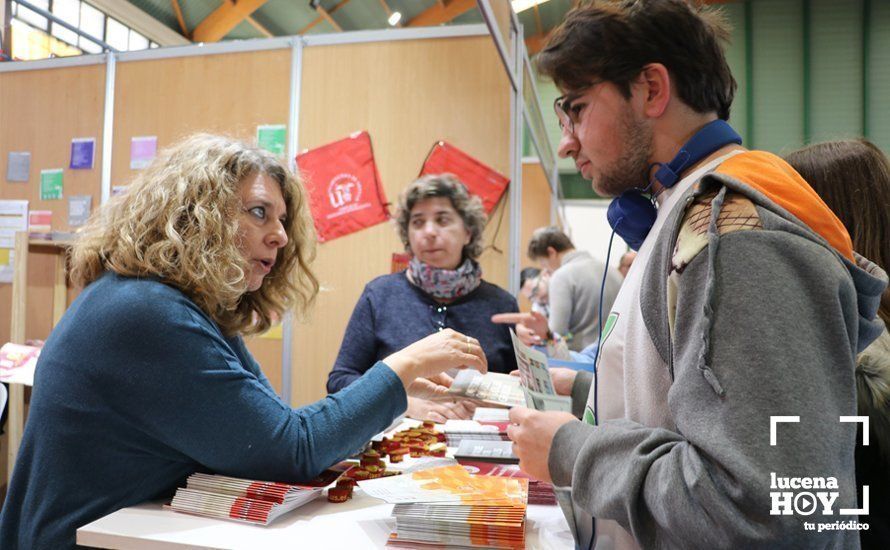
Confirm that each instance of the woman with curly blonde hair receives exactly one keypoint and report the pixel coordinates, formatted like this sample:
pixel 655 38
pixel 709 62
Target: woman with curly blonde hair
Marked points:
pixel 146 379
pixel 440 224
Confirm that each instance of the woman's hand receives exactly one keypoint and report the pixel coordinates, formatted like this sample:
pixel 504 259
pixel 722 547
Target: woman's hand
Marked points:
pixel 434 388
pixel 446 349
pixel 531 328
pixel 422 409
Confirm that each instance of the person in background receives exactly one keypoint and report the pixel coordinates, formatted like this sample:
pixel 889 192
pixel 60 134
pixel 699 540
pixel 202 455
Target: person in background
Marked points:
pixel 625 262
pixel 853 178
pixel 441 226
pixel 533 284
pixel 146 378
pixel 574 291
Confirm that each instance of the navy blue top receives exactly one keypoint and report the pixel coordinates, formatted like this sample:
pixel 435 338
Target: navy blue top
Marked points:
pixel 392 313
pixel 137 388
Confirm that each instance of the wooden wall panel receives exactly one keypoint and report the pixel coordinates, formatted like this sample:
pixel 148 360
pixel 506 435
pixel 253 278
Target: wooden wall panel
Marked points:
pixel 41 111
pixel 536 199
pixel 407 95
pixel 171 98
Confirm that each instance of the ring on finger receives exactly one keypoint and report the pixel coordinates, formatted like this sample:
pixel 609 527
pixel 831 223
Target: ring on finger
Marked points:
pixel 469 350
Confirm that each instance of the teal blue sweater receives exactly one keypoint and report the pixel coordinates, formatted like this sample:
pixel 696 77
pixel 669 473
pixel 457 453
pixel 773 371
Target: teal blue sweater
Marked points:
pixel 137 388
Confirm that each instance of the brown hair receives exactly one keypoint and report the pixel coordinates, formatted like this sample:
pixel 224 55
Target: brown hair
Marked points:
pixel 853 178
pixel 177 222
pixel 469 208
pixel 545 237
pixel 614 41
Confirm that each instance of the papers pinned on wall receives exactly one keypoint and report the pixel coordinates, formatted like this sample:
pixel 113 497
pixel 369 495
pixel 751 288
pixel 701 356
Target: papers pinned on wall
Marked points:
pixel 272 138
pixel 143 150
pixel 13 218
pixel 83 153
pixel 51 186
pixel 18 166
pixel 79 209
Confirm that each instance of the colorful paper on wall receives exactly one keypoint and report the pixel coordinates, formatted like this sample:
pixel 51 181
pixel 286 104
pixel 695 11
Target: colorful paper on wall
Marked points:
pixel 344 186
pixel 79 209
pixel 6 265
pixel 13 218
pixel 272 138
pixel 118 189
pixel 83 153
pixel 18 166
pixel 51 187
pixel 40 221
pixel 143 150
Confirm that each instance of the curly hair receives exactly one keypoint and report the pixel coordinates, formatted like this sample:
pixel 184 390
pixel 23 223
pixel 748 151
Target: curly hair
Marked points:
pixel 177 222
pixel 469 207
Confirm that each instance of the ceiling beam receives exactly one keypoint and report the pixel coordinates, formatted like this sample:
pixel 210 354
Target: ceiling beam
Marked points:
pixel 143 23
pixel 178 10
pixel 319 19
pixel 327 17
pixel 438 13
pixel 225 18
pixel 260 27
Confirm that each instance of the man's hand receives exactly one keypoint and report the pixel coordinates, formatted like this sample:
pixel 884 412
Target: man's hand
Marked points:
pixel 532 435
pixel 563 379
pixel 531 328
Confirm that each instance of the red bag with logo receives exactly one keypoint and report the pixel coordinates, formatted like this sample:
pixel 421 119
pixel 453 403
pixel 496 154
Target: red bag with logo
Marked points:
pixel 481 180
pixel 345 194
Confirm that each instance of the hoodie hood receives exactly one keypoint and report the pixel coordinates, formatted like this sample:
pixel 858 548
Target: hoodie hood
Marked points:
pixel 771 183
pixel 756 188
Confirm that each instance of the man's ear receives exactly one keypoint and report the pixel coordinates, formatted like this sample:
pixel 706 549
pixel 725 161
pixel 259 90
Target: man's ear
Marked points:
pixel 654 83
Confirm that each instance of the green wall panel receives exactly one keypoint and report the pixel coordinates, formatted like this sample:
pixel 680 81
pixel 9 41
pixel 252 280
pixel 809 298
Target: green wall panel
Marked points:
pixel 778 73
pixel 878 92
pixel 735 56
pixel 835 69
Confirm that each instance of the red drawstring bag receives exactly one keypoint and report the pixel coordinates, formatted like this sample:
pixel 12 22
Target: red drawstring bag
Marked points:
pixel 344 187
pixel 482 181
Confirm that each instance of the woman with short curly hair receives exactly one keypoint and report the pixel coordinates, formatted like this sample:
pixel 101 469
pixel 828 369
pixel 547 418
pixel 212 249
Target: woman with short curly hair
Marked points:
pixel 440 225
pixel 146 379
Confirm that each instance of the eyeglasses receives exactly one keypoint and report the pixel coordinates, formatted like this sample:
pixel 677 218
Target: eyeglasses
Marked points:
pixel 567 113
pixel 437 314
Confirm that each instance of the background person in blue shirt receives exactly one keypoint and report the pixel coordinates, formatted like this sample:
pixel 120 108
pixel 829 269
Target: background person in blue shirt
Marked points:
pixel 441 225
pixel 146 378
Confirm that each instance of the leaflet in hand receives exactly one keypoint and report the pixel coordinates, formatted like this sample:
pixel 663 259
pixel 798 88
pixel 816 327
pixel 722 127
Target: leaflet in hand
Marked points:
pixel 491 388
pixel 536 381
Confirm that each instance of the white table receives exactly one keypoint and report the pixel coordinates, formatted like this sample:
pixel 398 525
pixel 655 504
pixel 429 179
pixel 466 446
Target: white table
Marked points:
pixel 363 522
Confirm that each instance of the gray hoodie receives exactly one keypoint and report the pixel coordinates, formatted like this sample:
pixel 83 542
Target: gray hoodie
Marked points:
pixel 756 323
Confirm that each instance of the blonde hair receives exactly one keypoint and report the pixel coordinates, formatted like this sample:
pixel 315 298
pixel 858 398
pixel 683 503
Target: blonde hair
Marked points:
pixel 178 222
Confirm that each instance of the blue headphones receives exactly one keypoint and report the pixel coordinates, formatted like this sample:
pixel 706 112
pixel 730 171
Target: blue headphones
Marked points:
pixel 632 215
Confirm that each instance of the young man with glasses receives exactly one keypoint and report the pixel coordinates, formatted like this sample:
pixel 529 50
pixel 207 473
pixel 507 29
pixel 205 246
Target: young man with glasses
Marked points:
pixel 747 303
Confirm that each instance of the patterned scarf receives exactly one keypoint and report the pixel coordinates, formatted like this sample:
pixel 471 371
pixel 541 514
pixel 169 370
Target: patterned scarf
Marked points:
pixel 445 284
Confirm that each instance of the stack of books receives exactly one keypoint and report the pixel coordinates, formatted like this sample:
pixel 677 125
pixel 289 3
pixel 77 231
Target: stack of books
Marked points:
pixel 458 430
pixel 458 526
pixel 450 507
pixel 245 500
